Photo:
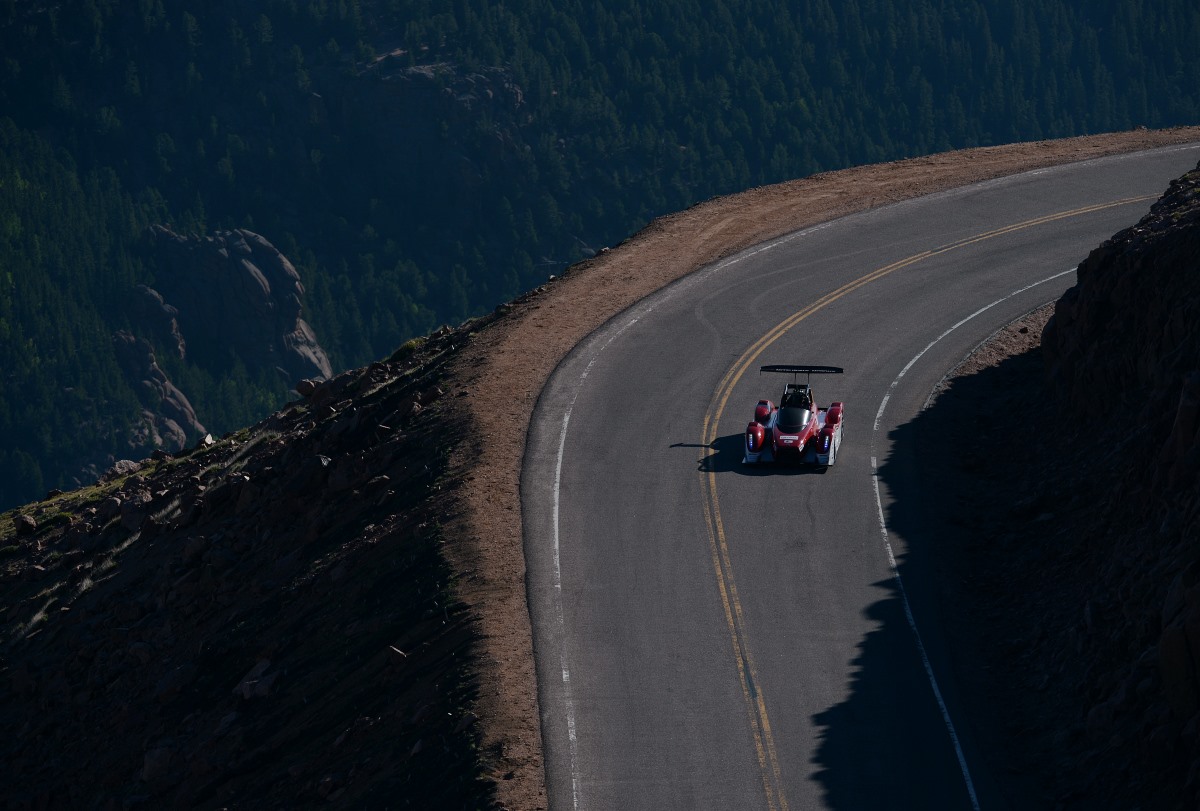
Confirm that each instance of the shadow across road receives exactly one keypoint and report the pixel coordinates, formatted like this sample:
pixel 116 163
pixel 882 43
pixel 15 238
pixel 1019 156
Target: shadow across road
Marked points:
pixel 887 744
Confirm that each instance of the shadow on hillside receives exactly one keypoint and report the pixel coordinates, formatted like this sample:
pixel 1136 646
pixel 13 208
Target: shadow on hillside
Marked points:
pixel 887 744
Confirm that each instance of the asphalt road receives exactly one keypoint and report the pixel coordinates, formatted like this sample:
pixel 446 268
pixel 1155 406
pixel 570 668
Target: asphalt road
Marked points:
pixel 713 636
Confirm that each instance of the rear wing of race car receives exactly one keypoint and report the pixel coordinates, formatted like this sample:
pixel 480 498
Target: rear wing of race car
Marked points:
pixel 787 368
pixel 800 391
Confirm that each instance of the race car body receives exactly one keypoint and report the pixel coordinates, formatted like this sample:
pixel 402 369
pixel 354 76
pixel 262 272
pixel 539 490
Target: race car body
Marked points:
pixel 796 430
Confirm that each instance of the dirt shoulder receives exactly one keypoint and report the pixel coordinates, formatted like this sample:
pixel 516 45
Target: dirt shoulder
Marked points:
pixel 506 366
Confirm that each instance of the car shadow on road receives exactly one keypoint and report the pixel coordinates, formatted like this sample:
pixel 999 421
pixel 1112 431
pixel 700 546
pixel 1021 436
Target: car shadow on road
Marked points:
pixel 728 452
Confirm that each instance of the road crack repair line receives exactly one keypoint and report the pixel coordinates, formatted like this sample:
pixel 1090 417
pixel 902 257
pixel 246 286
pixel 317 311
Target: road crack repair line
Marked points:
pixel 756 704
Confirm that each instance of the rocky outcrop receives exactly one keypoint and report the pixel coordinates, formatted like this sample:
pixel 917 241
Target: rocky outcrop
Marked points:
pixel 491 89
pixel 1126 337
pixel 233 293
pixel 1122 355
pixel 1124 343
pixel 168 421
pixel 162 318
pixel 227 295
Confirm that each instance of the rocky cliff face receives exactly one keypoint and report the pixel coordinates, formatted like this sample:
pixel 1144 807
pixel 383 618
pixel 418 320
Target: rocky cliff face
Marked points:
pixel 1122 354
pixel 1128 334
pixel 233 293
pixel 228 296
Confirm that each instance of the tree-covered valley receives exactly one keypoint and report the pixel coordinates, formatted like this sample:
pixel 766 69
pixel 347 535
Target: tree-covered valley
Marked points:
pixel 420 162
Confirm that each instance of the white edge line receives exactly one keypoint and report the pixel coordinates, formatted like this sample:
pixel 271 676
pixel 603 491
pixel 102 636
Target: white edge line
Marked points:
pixel 980 311
pixel 908 613
pixel 912 623
pixel 569 705
pixel 558 611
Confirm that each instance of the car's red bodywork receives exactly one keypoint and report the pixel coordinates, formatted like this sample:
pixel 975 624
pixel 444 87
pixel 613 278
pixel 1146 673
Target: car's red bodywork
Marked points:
pixel 796 430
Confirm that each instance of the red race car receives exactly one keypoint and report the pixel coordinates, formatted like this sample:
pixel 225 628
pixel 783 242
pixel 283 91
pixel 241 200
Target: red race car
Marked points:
pixel 796 430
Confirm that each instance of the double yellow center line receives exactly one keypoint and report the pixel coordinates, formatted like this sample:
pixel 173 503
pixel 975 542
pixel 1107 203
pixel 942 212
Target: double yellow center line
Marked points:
pixel 760 723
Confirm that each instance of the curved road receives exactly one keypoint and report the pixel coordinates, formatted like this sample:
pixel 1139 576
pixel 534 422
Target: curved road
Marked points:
pixel 711 636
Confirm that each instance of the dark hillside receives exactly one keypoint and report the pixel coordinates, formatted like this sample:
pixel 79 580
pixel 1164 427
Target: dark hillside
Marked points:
pixel 264 621
pixel 1078 589
pixel 420 162
pixel 1128 336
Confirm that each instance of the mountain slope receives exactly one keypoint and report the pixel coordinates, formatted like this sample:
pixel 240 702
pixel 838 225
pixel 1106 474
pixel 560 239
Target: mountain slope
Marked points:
pixel 269 621
pixel 263 621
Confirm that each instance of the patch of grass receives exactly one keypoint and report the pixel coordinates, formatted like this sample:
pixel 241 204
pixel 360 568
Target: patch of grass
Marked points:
pixel 6 551
pixel 238 460
pixel 171 509
pixel 195 453
pixel 40 616
pixel 95 493
pixel 407 349
pixel 121 547
pixel 50 596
